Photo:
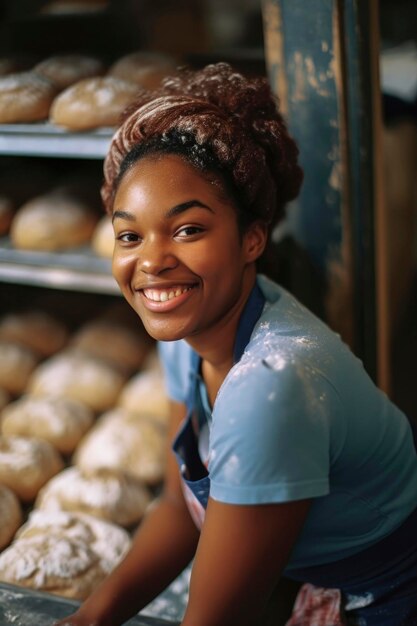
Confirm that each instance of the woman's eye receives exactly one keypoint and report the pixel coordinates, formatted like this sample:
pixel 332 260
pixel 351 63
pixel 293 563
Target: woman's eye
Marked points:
pixel 188 231
pixel 128 237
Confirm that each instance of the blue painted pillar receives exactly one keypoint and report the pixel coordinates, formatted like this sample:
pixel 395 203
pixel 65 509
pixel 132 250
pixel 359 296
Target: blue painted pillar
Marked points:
pixel 317 56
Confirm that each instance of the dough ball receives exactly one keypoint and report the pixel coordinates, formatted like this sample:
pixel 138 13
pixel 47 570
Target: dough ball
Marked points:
pixel 102 241
pixel 16 365
pixel 52 221
pixel 146 69
pixel 36 330
pixel 11 516
pixel 134 445
pixel 145 393
pixel 61 421
pixel 93 102
pixel 66 69
pixel 26 464
pixel 108 495
pixel 80 376
pixel 117 344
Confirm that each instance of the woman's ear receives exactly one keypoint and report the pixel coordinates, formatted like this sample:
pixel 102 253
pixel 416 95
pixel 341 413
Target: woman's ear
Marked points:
pixel 254 240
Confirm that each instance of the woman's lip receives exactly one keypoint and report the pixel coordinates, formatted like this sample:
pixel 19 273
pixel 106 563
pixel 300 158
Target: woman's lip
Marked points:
pixel 168 305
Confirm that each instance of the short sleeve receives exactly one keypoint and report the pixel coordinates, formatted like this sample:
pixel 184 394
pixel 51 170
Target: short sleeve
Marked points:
pixel 270 437
pixel 176 359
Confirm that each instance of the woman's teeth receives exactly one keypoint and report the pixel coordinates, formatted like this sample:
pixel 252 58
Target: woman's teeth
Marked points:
pixel 158 295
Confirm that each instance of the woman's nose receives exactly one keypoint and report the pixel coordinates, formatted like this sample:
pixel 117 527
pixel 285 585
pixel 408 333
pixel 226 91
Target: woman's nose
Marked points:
pixel 154 258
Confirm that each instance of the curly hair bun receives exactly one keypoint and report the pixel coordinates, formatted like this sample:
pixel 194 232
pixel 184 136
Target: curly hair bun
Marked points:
pixel 236 118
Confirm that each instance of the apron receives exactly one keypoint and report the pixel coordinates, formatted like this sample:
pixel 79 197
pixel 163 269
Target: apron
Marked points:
pixel 195 478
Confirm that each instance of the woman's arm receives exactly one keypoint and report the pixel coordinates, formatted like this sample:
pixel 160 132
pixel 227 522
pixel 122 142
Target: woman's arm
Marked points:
pixel 164 544
pixel 240 556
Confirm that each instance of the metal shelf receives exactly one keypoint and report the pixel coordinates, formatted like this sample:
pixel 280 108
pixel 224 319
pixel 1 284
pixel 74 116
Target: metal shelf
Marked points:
pixel 73 270
pixel 45 139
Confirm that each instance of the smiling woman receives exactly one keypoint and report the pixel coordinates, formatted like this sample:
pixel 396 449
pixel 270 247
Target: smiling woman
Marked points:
pixel 286 459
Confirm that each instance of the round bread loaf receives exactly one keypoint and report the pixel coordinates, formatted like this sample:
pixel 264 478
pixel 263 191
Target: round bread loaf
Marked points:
pixel 16 365
pixel 11 516
pixel 80 376
pixel 62 553
pixel 52 563
pixel 107 540
pixel 25 97
pixel 53 221
pixel 26 464
pixel 128 443
pixel 117 344
pixel 66 69
pixel 61 421
pixel 106 494
pixel 145 393
pixel 36 330
pixel 146 69
pixel 6 214
pixel 102 241
pixel 93 102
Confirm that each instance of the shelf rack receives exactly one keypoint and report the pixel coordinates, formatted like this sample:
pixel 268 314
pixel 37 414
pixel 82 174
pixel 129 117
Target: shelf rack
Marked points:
pixel 74 270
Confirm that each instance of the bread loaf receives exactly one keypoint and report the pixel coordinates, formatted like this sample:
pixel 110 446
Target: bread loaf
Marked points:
pixel 26 464
pixel 112 342
pixel 35 330
pixel 11 516
pixel 16 365
pixel 52 221
pixel 80 376
pixel 62 553
pixel 105 494
pixel 93 102
pixel 61 421
pixel 145 393
pixel 66 69
pixel 25 97
pixel 102 241
pixel 127 443
pixel 146 69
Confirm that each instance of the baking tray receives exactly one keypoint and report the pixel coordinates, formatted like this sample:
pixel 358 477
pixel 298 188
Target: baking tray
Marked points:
pixel 25 607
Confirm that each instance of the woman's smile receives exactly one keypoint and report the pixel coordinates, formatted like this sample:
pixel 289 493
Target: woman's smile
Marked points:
pixel 165 299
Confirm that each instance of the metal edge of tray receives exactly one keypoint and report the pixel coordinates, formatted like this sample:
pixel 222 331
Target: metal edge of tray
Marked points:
pixel 45 139
pixel 23 604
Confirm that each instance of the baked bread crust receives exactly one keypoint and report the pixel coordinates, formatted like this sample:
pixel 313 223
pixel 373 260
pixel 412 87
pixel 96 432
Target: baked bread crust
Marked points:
pixel 25 97
pixel 93 102
pixel 11 516
pixel 60 421
pixel 26 464
pixel 108 495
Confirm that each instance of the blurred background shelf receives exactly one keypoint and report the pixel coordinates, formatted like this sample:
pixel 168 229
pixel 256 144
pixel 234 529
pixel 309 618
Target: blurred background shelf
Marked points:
pixel 74 270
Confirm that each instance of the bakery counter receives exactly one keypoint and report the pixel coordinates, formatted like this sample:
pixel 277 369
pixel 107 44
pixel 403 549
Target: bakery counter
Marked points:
pixel 73 270
pixel 25 607
pixel 45 139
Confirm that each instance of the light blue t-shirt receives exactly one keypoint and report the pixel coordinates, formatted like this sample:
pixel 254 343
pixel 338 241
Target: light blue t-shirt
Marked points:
pixel 298 417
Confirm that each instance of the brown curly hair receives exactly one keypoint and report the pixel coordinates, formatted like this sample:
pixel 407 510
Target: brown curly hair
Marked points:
pixel 219 121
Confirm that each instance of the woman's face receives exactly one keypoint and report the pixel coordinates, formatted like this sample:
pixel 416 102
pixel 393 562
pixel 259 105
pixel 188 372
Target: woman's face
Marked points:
pixel 178 258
